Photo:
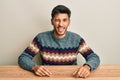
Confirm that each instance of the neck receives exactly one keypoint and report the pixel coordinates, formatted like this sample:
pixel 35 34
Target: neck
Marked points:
pixel 58 35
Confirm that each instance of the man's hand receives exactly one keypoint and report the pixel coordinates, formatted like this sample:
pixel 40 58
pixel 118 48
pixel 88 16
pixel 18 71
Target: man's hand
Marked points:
pixel 41 71
pixel 82 72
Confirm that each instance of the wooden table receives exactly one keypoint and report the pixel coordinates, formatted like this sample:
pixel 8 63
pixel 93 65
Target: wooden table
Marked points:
pixel 103 72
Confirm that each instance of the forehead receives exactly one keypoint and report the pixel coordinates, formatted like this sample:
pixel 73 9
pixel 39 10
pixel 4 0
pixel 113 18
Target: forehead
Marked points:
pixel 61 16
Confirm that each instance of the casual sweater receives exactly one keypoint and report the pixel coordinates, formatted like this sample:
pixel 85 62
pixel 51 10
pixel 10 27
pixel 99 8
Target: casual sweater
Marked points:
pixel 58 51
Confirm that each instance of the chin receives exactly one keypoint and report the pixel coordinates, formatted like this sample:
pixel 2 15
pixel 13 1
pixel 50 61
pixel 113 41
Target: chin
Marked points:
pixel 61 34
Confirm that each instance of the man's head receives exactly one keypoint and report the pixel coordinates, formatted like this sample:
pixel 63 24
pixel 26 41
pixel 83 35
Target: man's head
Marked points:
pixel 60 20
pixel 60 9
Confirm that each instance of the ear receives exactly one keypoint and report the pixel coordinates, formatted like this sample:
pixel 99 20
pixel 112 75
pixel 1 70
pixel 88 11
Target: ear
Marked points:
pixel 69 22
pixel 52 21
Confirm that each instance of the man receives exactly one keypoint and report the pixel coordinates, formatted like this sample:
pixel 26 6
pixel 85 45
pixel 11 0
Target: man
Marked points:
pixel 59 47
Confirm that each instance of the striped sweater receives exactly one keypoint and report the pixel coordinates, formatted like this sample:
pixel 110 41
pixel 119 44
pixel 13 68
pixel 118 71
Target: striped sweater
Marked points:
pixel 58 51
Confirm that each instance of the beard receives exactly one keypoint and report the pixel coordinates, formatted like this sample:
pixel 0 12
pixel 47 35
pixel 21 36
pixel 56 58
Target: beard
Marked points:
pixel 60 31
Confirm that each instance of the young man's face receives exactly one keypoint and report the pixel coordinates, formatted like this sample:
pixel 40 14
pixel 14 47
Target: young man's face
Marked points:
pixel 60 22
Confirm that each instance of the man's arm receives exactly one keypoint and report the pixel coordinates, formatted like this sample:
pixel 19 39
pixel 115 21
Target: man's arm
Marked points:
pixel 92 59
pixel 25 59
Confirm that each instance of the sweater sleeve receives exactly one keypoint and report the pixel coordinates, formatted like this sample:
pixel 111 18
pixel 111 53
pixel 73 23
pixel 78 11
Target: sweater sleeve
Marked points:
pixel 25 59
pixel 92 59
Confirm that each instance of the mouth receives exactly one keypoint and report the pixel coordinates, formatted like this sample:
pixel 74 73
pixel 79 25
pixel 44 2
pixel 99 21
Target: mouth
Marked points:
pixel 61 29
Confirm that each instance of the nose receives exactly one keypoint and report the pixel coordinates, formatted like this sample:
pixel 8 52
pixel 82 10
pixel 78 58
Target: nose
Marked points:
pixel 60 23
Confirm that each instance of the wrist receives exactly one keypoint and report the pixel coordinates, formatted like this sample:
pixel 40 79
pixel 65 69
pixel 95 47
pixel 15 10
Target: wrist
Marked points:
pixel 87 66
pixel 34 67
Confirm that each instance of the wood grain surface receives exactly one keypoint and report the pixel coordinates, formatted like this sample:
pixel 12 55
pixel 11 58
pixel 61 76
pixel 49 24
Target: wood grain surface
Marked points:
pixel 103 72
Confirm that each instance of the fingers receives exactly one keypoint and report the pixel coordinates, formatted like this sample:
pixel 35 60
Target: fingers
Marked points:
pixel 46 71
pixel 82 72
pixel 41 71
pixel 75 72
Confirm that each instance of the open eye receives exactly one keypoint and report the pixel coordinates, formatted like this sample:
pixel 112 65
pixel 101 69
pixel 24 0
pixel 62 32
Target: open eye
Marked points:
pixel 64 20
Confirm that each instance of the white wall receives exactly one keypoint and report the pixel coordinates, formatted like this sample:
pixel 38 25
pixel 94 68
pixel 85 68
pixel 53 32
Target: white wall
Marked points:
pixel 97 21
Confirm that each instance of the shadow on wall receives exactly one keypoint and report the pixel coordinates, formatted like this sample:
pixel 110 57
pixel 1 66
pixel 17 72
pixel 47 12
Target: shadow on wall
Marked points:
pixel 37 59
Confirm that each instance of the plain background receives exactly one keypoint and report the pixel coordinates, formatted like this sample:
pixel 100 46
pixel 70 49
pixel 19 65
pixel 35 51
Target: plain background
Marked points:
pixel 97 21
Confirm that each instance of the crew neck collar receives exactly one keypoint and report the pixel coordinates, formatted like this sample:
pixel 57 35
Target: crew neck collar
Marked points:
pixel 64 38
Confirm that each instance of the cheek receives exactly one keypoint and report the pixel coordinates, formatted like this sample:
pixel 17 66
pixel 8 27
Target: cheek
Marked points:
pixel 55 24
pixel 67 24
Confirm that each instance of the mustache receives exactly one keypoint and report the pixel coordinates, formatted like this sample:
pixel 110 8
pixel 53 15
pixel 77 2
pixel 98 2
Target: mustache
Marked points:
pixel 61 27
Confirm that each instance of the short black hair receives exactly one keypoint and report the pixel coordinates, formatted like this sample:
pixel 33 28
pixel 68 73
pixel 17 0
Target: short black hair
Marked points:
pixel 60 9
